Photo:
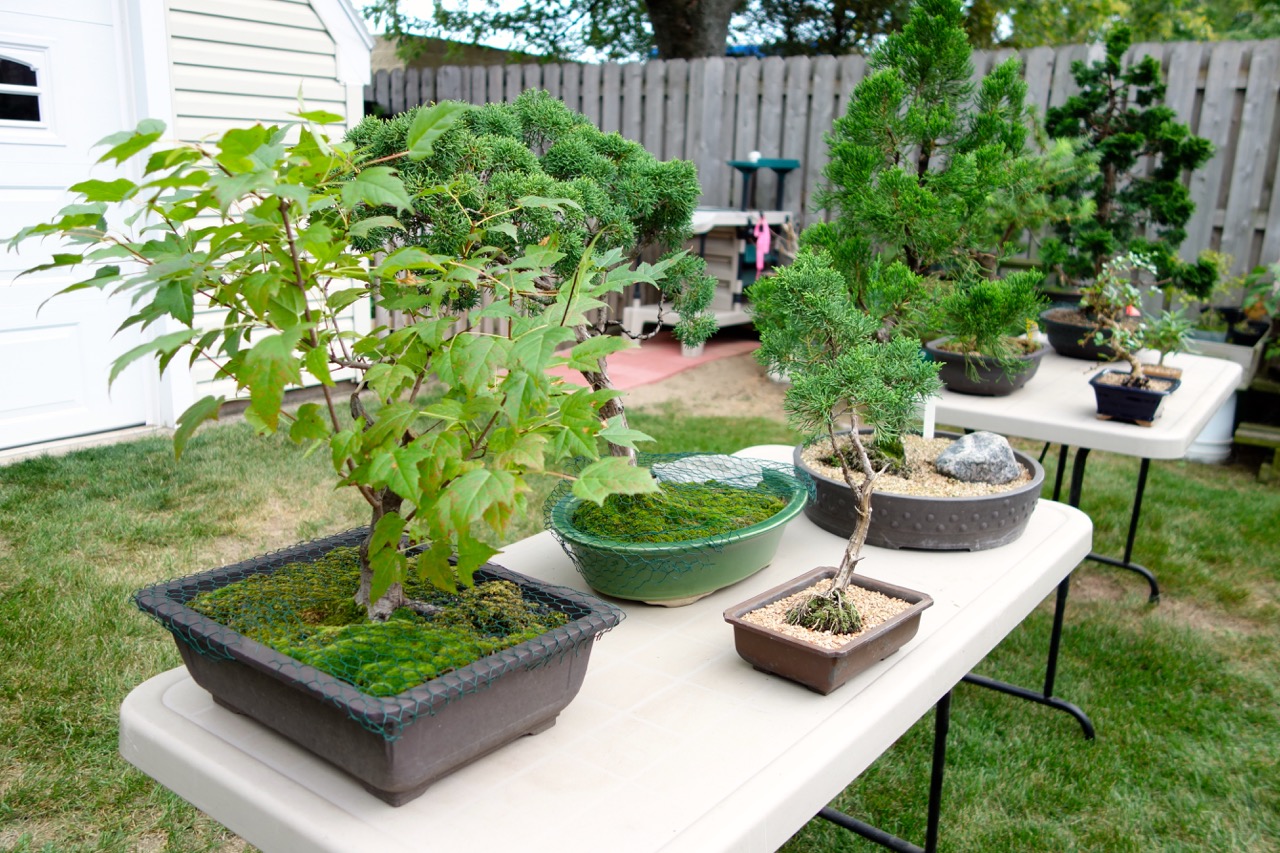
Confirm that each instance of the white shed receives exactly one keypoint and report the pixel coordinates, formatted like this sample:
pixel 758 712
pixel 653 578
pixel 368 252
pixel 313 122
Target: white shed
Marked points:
pixel 72 72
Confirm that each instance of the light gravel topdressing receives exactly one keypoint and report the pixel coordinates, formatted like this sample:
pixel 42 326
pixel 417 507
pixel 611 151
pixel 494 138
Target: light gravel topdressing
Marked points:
pixel 923 480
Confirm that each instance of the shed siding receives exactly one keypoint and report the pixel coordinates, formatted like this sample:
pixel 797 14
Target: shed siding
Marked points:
pixel 236 62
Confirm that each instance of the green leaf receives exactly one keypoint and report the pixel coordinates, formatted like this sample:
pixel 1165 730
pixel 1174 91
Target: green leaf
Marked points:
pixel 408 258
pixel 587 355
pixel 472 361
pixel 268 368
pixel 472 554
pixel 364 226
pixel 404 478
pixel 556 204
pixel 320 116
pixel 117 190
pixel 174 299
pixel 376 186
pixel 345 445
pixel 317 363
pixel 435 568
pixel 342 298
pixel 309 424
pixel 164 344
pixel 127 143
pixel 613 475
pixel 616 433
pixel 385 559
pixel 202 410
pixel 479 495
pixel 429 125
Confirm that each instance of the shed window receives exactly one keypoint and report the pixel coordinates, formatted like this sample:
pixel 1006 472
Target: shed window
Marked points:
pixel 19 92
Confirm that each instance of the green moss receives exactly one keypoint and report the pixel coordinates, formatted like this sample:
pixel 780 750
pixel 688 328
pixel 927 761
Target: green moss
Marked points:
pixel 835 615
pixel 308 611
pixel 679 512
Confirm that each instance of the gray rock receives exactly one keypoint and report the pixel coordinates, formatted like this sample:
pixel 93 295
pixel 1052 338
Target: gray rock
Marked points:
pixel 980 457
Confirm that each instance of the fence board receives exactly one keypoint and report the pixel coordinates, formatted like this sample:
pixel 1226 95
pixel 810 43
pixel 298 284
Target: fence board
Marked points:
pixel 610 97
pixel 693 116
pixel 1257 117
pixel 632 100
pixel 1037 71
pixel 825 70
pixel 571 87
pixel 712 154
pixel 794 133
pixel 1215 125
pixel 725 125
pixel 449 83
pixel 769 140
pixel 591 93
pixel 551 79
pixel 677 106
pixel 512 83
pixel 655 102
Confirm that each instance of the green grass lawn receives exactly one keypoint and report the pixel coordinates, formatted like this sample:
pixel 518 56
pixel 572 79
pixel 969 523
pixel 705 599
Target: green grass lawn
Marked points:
pixel 1184 694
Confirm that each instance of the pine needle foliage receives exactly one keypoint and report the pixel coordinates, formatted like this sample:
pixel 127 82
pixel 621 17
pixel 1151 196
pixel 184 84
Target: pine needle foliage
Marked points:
pixel 486 168
pixel 919 158
pixel 1139 200
pixel 984 316
pixel 842 372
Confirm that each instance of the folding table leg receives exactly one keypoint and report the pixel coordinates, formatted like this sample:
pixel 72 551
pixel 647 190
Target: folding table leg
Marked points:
pixel 1077 484
pixel 1044 697
pixel 941 725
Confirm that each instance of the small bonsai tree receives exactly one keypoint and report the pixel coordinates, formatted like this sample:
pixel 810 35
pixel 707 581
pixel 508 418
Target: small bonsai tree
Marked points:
pixel 268 231
pixel 1167 333
pixel 1111 303
pixel 1140 203
pixel 841 373
pixel 915 168
pixel 993 318
pixel 492 170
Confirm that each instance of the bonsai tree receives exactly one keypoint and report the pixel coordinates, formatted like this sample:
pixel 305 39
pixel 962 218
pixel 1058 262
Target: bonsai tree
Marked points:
pixel 918 161
pixel 443 429
pixel 1167 333
pixel 1111 302
pixel 492 168
pixel 984 317
pixel 1139 202
pixel 841 373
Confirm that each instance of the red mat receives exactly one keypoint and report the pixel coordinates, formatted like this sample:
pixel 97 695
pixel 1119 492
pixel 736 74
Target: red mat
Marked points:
pixel 658 358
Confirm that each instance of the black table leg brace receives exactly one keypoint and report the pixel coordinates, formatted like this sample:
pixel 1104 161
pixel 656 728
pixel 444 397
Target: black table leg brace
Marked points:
pixel 1073 498
pixel 941 724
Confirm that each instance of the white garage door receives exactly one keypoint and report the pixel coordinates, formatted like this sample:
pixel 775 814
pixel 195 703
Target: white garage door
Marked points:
pixel 61 90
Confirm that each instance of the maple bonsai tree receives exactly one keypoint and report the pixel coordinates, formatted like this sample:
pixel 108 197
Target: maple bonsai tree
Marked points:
pixel 281 236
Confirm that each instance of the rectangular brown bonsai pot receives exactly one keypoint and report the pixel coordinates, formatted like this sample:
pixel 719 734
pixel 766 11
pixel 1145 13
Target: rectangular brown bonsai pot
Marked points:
pixel 821 669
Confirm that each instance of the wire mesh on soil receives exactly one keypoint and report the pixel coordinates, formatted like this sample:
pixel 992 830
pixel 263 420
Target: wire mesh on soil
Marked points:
pixel 708 502
pixel 294 612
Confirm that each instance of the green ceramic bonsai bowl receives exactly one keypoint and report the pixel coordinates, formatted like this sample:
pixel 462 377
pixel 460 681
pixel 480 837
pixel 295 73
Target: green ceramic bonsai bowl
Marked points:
pixel 672 574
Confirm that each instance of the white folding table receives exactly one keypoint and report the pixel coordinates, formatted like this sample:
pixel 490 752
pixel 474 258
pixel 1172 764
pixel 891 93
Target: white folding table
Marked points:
pixel 673 744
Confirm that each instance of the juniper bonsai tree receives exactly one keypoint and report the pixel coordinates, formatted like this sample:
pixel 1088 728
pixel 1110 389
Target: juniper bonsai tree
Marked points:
pixel 1140 204
pixel 275 234
pixel 842 373
pixel 993 318
pixel 917 161
pixel 490 168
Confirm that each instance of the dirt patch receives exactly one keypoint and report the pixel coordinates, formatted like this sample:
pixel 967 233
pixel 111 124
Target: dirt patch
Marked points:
pixel 1089 586
pixel 730 387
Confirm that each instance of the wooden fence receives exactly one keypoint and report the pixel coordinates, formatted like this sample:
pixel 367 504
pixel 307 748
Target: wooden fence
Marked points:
pixel 714 110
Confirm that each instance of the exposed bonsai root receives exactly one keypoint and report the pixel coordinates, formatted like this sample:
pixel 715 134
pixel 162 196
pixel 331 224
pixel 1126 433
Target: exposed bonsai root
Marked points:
pixel 831 611
pixel 423 608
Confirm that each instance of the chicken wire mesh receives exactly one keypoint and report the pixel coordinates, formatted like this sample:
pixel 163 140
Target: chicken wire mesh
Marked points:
pixel 642 547
pixel 292 612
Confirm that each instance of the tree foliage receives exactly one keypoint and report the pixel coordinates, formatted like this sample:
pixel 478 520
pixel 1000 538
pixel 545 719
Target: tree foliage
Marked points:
pixel 1140 204
pixel 274 235
pixel 927 171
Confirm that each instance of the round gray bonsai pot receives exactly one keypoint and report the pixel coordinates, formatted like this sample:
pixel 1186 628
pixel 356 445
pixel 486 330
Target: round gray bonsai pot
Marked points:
pixel 980 374
pixel 924 522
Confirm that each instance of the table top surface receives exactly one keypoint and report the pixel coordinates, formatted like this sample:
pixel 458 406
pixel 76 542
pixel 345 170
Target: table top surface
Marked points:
pixel 1057 405
pixel 674 743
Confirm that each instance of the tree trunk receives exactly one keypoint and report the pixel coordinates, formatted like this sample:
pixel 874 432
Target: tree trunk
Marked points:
pixel 690 29
pixel 394 598
pixel 599 381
